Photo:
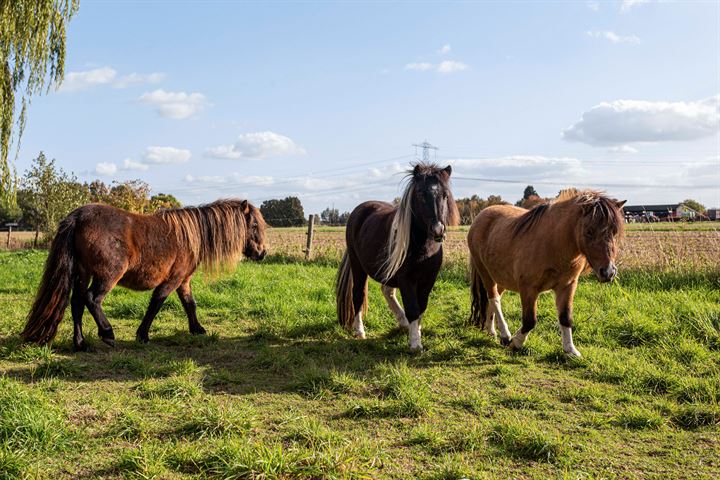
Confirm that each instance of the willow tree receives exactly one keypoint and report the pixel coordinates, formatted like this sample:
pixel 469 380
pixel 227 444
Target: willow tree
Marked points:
pixel 32 59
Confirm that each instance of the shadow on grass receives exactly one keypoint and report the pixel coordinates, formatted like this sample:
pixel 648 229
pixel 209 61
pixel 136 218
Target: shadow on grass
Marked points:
pixel 238 365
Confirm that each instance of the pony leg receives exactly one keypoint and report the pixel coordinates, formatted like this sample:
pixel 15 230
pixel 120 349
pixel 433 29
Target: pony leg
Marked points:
pixel 188 302
pixel 77 305
pixel 93 299
pixel 495 312
pixel 395 307
pixel 563 300
pixel 156 302
pixel 529 320
pixel 359 301
pixel 413 312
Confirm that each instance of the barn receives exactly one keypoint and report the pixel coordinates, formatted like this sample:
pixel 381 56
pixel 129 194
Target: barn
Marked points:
pixel 713 213
pixel 663 212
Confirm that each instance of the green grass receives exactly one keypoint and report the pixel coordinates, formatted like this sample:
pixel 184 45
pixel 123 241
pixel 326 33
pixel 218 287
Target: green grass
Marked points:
pixel 278 390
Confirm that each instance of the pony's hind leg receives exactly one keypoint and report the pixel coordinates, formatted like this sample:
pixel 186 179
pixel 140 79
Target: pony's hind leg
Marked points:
pixel 157 299
pixel 389 293
pixel 359 294
pixel 77 305
pixel 529 319
pixel 93 299
pixel 188 302
pixel 563 301
pixel 495 315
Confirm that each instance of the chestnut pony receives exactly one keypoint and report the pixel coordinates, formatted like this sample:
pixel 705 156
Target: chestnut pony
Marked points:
pixel 546 248
pixel 160 251
pixel 398 246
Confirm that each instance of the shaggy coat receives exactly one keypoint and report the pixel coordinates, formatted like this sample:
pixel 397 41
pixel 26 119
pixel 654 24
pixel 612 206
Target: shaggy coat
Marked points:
pixel 546 248
pixel 399 246
pixel 160 252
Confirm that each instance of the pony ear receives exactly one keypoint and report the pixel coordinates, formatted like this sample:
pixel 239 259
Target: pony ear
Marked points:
pixel 620 203
pixel 448 170
pixel 245 207
pixel 416 171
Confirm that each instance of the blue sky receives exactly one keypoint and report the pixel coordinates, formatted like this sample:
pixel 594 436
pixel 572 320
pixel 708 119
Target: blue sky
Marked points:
pixel 324 100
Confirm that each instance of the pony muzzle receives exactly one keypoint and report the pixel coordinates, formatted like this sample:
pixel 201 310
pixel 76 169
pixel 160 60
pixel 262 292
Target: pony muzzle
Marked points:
pixel 438 232
pixel 607 274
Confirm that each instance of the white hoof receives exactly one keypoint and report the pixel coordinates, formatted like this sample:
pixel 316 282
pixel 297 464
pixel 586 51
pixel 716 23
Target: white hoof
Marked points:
pixel 403 323
pixel 574 353
pixel 360 335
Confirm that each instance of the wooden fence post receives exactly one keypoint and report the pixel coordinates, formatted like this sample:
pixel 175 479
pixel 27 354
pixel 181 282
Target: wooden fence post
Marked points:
pixel 308 246
pixel 8 240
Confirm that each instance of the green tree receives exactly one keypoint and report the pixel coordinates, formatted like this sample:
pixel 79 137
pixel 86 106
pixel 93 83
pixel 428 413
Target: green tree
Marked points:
pixel 130 195
pixel 163 201
pixel 695 205
pixel 99 192
pixel 32 57
pixel 49 194
pixel 287 212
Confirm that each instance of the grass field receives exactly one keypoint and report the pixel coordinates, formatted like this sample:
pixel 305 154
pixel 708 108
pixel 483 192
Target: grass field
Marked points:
pixel 278 390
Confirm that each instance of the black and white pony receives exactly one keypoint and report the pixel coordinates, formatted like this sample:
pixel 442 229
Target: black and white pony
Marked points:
pixel 398 246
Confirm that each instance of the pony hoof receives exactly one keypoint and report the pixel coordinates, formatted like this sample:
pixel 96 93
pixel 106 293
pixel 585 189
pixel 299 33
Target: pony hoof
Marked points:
pixel 198 331
pixel 573 354
pixel 504 341
pixel 416 349
pixel 81 347
pixel 142 339
pixel 360 335
pixel 108 340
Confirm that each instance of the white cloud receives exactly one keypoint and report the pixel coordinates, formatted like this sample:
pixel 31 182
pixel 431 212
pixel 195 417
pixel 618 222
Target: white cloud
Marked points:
pixel 445 67
pixel 445 49
pixel 138 79
pixel 627 121
pixel 593 5
pixel 627 5
pixel 256 145
pixel 106 168
pixel 613 37
pixel 623 149
pixel 421 66
pixel 166 155
pixel 177 105
pixel 451 66
pixel 75 81
pixel 130 164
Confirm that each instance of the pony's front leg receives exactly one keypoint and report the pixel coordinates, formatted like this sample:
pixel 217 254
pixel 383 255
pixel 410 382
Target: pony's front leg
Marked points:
pixel 529 319
pixel 563 301
pixel 188 302
pixel 391 299
pixel 156 302
pixel 413 313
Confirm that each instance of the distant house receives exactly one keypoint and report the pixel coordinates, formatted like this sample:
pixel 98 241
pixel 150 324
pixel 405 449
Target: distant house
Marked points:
pixel 663 212
pixel 713 213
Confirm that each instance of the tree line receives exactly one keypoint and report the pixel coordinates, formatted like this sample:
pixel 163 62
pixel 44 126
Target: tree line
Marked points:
pixel 46 194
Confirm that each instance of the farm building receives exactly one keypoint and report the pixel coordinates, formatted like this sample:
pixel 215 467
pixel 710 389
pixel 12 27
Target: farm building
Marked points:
pixel 663 212
pixel 713 213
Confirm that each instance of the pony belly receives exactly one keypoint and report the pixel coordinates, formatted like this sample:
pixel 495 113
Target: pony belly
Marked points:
pixel 141 280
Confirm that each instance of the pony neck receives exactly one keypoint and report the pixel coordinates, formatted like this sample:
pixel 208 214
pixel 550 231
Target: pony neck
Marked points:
pixel 565 221
pixel 419 234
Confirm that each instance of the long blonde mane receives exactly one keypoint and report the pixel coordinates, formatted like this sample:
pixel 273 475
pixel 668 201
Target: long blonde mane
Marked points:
pixel 399 239
pixel 213 233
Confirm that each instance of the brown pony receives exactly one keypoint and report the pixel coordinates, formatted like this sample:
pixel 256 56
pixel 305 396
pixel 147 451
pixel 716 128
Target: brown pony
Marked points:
pixel 160 251
pixel 546 248
pixel 400 247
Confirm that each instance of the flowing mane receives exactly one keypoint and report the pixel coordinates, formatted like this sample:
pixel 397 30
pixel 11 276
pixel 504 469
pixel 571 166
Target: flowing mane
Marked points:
pixel 596 204
pixel 399 239
pixel 214 233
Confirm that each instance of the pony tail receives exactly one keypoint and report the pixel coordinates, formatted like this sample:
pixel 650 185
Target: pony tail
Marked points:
pixel 479 305
pixel 52 296
pixel 343 293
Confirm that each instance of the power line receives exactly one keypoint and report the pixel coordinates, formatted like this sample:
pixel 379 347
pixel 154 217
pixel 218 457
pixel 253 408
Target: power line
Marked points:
pixel 594 185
